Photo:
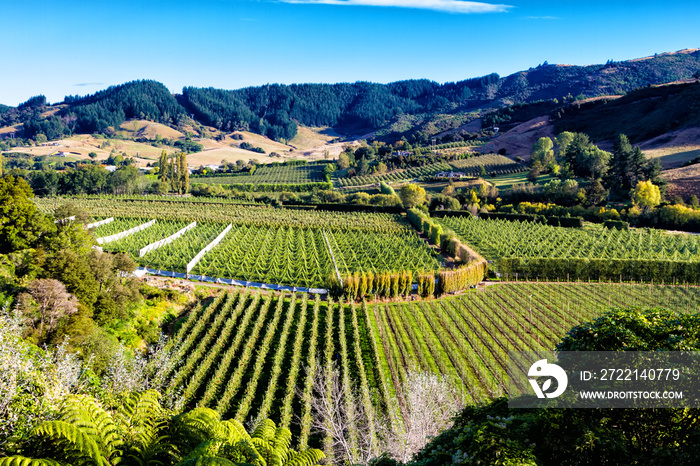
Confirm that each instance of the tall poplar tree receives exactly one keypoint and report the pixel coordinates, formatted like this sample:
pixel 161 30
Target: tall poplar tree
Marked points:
pixel 163 167
pixel 171 175
pixel 183 173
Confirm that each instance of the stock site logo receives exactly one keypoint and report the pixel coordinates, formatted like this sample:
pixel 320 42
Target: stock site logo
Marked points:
pixel 542 369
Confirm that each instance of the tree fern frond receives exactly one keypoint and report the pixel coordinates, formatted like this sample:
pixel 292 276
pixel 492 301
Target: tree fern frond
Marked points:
pixel 159 452
pixel 242 452
pixel 281 442
pixel 195 427
pixel 265 431
pixel 208 448
pixel 85 413
pixel 75 444
pixel 233 431
pixel 147 409
pixel 207 461
pixel 142 420
pixel 272 458
pixel 310 457
pixel 24 461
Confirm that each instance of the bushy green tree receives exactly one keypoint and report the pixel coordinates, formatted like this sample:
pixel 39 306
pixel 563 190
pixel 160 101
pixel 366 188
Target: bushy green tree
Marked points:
pixel 412 195
pixel 22 224
pixel 646 195
pixel 543 151
pixel 343 161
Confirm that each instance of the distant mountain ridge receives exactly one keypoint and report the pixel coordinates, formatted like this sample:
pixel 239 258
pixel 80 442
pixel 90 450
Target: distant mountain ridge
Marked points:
pixel 275 110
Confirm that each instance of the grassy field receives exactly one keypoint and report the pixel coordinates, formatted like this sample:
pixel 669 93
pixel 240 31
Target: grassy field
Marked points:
pixel 147 129
pixel 683 182
pixel 80 146
pixel 674 157
pixel 310 138
pixel 310 143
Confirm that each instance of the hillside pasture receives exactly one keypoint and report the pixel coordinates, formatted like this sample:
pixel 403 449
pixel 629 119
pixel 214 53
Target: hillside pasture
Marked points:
pixel 149 130
pixel 683 182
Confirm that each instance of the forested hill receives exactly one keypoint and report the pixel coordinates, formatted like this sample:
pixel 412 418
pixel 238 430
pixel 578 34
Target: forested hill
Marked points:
pixel 275 110
pixel 272 110
pixel 614 78
pixel 96 113
pixel 148 100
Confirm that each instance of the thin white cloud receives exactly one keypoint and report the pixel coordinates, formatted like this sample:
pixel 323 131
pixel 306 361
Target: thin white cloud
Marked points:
pixel 450 6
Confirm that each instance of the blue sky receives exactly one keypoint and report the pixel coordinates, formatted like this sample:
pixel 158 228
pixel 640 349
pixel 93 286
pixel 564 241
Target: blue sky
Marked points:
pixel 62 47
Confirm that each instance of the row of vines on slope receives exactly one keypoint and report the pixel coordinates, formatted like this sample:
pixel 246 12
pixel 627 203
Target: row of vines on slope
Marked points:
pixel 247 353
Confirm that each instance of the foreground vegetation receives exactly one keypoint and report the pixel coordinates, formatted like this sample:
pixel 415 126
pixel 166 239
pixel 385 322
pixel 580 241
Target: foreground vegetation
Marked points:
pixel 368 347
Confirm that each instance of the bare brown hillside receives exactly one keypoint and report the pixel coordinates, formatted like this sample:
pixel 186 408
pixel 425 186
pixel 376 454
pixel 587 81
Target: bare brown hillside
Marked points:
pixel 519 140
pixel 683 182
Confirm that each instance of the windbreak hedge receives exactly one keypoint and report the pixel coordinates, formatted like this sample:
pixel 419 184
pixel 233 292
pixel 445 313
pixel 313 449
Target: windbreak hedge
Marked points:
pixel 645 270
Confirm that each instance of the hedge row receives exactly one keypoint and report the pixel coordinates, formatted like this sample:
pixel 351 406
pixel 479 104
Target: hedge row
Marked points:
pixel 358 208
pixel 474 266
pixel 667 271
pixel 566 222
pixel 385 285
pixel 464 276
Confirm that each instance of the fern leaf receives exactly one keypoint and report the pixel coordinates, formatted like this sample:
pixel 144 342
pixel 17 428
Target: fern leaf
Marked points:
pixel 195 427
pixel 207 461
pixel 272 458
pixel 208 448
pixel 141 415
pixel 147 410
pixel 23 461
pixel 73 443
pixel 85 413
pixel 265 431
pixel 242 452
pixel 281 442
pixel 310 457
pixel 233 431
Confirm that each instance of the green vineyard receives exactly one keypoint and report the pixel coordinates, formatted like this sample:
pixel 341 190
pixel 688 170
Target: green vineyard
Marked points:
pixel 527 250
pixel 492 163
pixel 248 354
pixel 271 174
pixel 265 245
pixel 398 175
pixel 225 212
